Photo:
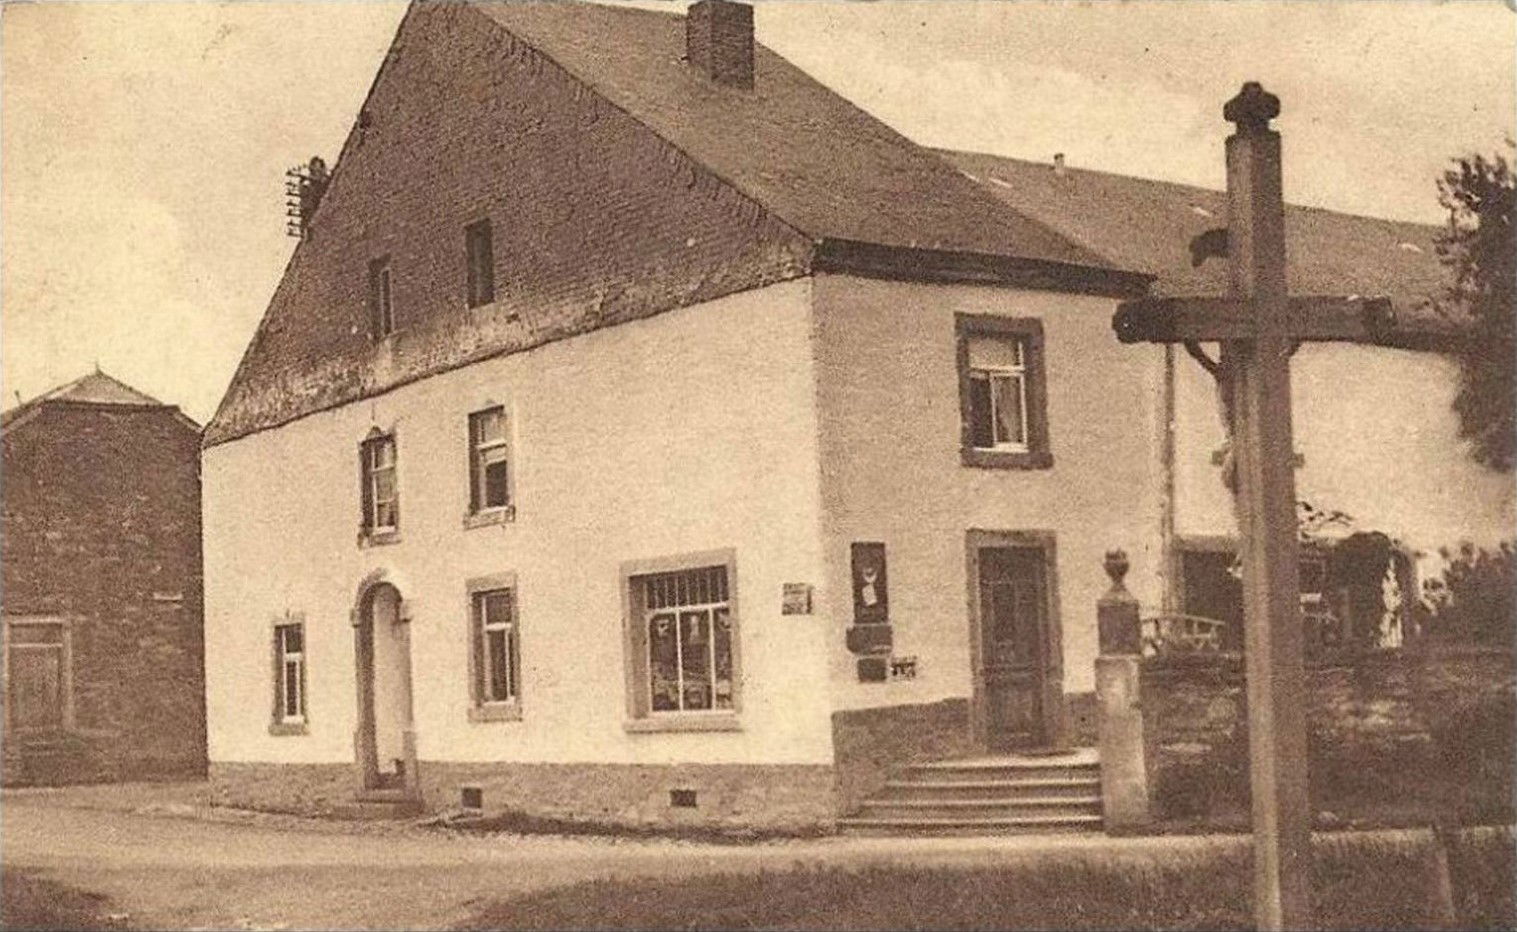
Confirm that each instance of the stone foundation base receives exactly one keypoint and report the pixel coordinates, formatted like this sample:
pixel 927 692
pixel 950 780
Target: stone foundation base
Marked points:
pixel 304 789
pixel 867 743
pixel 767 797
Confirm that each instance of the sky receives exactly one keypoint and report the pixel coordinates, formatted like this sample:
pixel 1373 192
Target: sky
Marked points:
pixel 143 145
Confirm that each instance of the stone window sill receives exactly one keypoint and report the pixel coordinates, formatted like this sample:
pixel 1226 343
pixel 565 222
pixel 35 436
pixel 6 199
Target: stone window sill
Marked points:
pixel 495 712
pixel 489 517
pixel 287 729
pixel 378 538
pixel 1005 459
pixel 696 722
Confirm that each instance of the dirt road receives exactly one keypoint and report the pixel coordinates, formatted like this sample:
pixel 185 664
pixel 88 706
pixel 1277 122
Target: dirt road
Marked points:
pixel 180 872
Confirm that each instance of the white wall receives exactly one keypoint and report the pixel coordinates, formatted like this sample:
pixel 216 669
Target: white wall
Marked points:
pixel 892 470
pixel 1379 439
pixel 693 430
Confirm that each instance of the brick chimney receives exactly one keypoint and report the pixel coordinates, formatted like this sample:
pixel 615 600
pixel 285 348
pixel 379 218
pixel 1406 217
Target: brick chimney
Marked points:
pixel 719 41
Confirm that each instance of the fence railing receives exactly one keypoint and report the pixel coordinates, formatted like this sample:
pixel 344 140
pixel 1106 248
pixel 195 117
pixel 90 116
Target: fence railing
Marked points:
pixel 1174 633
pixel 1170 633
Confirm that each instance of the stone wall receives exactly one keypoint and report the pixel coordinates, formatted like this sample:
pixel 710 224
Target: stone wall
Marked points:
pixel 869 742
pixel 1408 728
pixel 783 798
pixel 305 789
pixel 102 529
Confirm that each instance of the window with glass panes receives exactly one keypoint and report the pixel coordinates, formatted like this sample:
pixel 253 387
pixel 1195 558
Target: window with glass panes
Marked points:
pixel 1003 392
pixel 998 393
pixel 488 467
pixel 688 634
pixel 381 505
pixel 289 650
pixel 496 667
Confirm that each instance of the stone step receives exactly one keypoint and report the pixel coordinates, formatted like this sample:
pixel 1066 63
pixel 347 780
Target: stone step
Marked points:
pixel 1017 825
pixel 925 789
pixel 988 808
pixel 980 771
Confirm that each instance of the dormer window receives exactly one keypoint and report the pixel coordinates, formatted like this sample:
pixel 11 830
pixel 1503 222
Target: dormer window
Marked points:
pixel 480 253
pixel 381 299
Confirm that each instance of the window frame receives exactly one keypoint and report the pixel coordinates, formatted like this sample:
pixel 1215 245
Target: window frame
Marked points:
pixel 480 708
pixel 65 675
pixel 640 715
pixel 369 530
pixel 477 513
pixel 1037 452
pixel 381 298
pixel 479 263
pixel 281 723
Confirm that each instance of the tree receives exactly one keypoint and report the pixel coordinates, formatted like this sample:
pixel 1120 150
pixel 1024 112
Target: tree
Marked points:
pixel 1480 248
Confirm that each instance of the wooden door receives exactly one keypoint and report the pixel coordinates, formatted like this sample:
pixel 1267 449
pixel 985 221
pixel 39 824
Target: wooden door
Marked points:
pixel 1013 627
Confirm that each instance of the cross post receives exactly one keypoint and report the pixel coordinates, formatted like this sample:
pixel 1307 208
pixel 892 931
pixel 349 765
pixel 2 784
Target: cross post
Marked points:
pixel 1258 326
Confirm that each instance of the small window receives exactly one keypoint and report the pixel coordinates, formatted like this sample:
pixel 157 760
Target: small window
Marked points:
pixel 496 664
pixel 1003 392
pixel 481 258
pixel 290 673
pixel 381 499
pixel 381 299
pixel 489 468
pixel 686 628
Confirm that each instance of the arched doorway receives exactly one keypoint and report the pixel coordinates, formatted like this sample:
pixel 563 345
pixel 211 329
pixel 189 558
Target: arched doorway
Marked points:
pixel 386 740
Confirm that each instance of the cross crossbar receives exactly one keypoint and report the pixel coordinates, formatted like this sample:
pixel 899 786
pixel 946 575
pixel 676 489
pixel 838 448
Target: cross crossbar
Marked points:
pixel 1209 320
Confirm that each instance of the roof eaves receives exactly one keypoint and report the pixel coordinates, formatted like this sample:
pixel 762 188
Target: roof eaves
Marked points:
pixel 911 263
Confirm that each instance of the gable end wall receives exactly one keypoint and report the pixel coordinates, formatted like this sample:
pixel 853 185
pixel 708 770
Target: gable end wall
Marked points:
pixel 596 221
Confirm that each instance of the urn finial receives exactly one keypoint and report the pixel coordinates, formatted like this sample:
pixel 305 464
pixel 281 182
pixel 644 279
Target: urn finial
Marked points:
pixel 1116 566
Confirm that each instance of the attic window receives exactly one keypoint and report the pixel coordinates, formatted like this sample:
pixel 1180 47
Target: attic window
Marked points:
pixel 480 254
pixel 381 299
pixel 1409 247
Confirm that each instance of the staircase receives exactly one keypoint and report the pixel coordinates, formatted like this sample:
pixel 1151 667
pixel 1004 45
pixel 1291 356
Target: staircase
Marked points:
pixel 1002 795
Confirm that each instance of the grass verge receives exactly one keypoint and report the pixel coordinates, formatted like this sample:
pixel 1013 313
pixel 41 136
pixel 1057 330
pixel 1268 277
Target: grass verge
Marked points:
pixel 521 823
pixel 1359 883
pixel 28 901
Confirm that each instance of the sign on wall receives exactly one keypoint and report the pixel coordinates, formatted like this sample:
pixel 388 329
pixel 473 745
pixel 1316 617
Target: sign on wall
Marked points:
pixel 871 598
pixel 796 599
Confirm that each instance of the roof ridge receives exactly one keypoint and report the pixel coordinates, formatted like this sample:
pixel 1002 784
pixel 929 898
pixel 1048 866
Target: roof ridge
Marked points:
pixel 602 95
pixel 1080 255
pixel 1178 185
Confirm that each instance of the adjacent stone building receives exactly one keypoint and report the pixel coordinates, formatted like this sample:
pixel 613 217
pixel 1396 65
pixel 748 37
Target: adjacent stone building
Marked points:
pixel 644 433
pixel 103 640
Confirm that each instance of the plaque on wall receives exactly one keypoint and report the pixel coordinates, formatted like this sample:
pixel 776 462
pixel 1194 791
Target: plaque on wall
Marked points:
pixel 873 669
pixel 871 599
pixel 795 599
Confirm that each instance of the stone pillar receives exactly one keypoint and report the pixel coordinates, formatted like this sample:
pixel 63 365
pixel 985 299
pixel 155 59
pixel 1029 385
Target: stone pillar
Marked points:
pixel 1119 716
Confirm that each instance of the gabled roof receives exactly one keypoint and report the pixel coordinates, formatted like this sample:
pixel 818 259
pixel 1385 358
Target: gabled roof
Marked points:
pixel 807 155
pixel 632 183
pixel 1148 225
pixel 96 388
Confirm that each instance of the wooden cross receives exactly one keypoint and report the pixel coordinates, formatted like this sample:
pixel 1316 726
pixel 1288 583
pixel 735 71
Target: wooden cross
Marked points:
pixel 1259 326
